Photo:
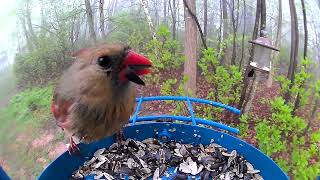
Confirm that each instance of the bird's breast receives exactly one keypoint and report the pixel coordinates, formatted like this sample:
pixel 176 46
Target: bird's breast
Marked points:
pixel 98 115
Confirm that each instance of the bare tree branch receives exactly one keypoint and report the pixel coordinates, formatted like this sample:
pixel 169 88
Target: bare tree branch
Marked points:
pixel 198 24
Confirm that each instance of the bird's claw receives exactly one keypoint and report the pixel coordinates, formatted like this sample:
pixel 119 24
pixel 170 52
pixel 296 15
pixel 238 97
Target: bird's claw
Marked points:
pixel 72 147
pixel 120 137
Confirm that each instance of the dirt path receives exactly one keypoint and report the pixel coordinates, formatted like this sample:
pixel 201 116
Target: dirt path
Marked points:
pixel 5 100
pixel 27 156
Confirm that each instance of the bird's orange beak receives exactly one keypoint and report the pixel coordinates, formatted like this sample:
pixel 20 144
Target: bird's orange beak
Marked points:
pixel 138 63
pixel 135 65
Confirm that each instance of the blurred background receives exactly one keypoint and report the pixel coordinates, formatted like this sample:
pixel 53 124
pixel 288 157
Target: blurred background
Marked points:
pixel 199 48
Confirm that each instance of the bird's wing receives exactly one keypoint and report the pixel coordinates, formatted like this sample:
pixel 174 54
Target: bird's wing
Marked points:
pixel 60 110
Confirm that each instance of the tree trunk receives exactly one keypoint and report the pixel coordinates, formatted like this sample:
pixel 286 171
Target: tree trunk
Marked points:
pixel 190 65
pixel 32 35
pixel 305 47
pixel 243 33
pixel 194 17
pixel 85 28
pixel 220 28
pixel 245 79
pixel 96 16
pixel 277 44
pixel 255 29
pixel 313 116
pixel 252 92
pixel 165 19
pixel 173 11
pixel 43 19
pixel 225 31
pixel 178 18
pixel 42 6
pixel 258 74
pixel 314 110
pixel 114 7
pixel 146 12
pixel 305 50
pixel 109 11
pixel 103 33
pixel 234 29
pixel 205 19
pixel 263 19
pixel 77 30
pixel 26 34
pixel 92 33
pixel 72 32
pixel 19 41
pixel 294 47
pixel 156 13
pixel 131 3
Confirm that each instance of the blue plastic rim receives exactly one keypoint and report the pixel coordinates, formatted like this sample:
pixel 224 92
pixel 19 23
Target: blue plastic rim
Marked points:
pixel 135 118
pixel 64 165
pixel 3 174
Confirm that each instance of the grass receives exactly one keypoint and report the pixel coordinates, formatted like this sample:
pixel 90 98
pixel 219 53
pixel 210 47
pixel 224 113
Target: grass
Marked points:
pixel 7 84
pixel 24 117
pixel 28 109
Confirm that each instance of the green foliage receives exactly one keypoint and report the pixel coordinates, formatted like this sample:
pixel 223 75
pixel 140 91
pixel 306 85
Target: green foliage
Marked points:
pixel 167 86
pixel 269 138
pixel 284 84
pixel 7 84
pixel 284 164
pixel 164 51
pixel 280 63
pixel 283 134
pixel 22 120
pixel 315 137
pixel 226 81
pixel 24 116
pixel 44 63
pixel 301 167
pixel 244 125
pixel 317 89
pixel 129 27
pixel 173 88
pixel 281 113
pixel 28 109
pixel 301 77
pixel 227 43
pixel 51 49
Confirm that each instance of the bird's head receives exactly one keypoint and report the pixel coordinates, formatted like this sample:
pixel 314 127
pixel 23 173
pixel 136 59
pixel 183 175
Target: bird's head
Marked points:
pixel 116 62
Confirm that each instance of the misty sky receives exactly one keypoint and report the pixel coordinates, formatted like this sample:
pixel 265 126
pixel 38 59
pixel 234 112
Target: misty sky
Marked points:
pixel 9 26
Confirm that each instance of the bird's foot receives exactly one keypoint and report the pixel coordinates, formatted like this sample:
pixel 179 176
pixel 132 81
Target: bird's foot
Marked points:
pixel 120 137
pixel 72 147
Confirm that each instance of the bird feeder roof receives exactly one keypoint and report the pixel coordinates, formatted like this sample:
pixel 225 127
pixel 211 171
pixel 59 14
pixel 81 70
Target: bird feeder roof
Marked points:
pixel 265 42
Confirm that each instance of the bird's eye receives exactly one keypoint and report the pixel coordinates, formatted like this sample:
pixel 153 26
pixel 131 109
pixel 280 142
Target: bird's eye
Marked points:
pixel 104 61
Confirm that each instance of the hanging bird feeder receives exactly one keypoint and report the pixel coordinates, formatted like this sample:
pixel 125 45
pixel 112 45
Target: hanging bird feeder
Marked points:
pixel 262 48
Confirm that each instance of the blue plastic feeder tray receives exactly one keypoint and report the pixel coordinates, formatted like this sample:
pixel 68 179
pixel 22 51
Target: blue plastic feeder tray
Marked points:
pixel 195 131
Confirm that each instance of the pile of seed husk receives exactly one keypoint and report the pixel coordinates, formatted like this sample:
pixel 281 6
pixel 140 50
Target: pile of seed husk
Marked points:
pixel 152 159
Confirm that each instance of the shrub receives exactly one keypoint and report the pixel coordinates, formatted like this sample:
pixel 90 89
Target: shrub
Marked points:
pixel 164 51
pixel 225 81
pixel 283 137
pixel 44 63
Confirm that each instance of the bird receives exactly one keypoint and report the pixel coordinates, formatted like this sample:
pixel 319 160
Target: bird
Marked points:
pixel 95 96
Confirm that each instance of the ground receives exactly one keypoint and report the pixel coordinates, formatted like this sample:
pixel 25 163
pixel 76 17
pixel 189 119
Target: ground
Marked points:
pixel 49 142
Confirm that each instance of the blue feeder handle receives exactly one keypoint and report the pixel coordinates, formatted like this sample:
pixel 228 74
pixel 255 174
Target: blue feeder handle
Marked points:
pixel 135 118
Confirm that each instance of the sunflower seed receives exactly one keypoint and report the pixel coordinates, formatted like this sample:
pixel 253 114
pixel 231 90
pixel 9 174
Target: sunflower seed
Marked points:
pixel 135 159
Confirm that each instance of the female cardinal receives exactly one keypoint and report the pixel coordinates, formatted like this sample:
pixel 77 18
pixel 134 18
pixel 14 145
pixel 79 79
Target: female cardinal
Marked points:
pixel 95 97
